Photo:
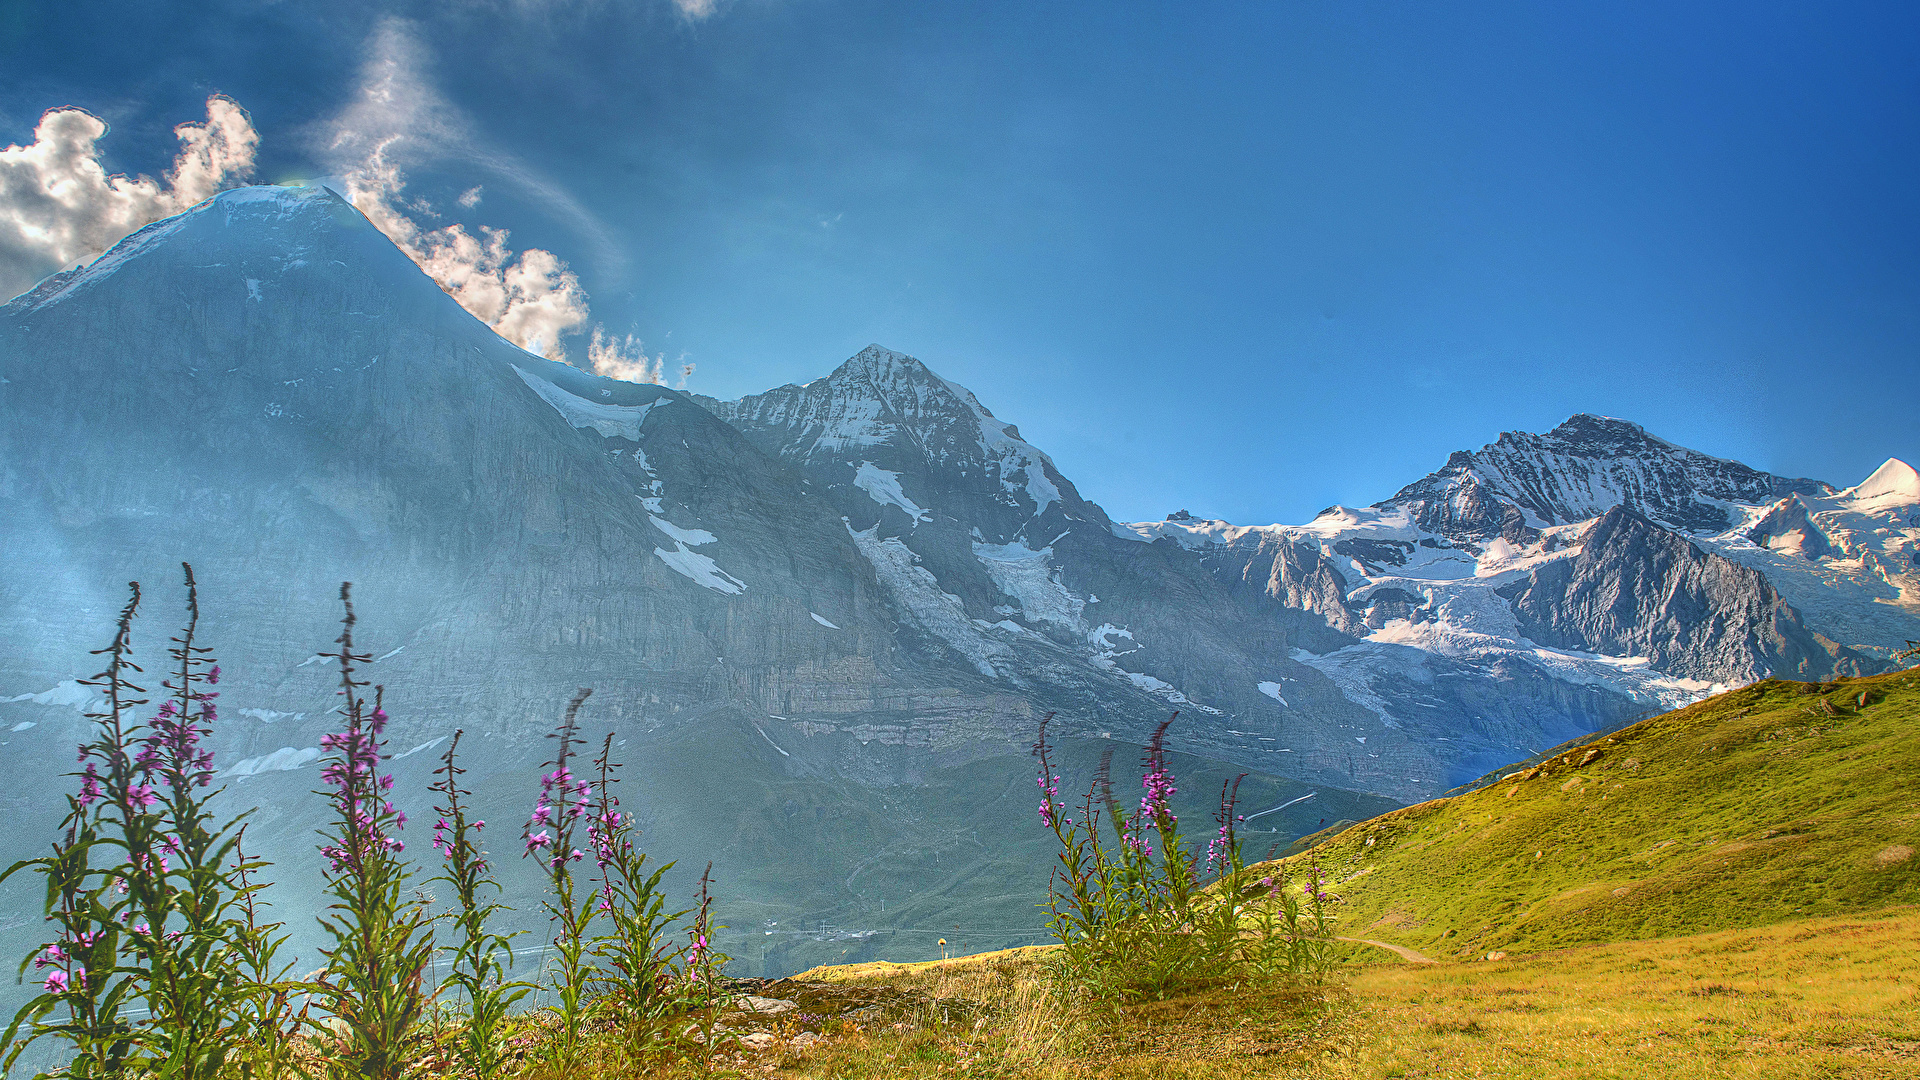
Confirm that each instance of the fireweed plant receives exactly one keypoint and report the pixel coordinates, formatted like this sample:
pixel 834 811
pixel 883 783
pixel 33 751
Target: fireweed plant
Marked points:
pixel 562 802
pixel 274 1021
pixel 1139 923
pixel 639 953
pixel 477 972
pixel 702 990
pixel 374 983
pixel 168 920
pixel 189 931
pixel 81 967
pixel 154 902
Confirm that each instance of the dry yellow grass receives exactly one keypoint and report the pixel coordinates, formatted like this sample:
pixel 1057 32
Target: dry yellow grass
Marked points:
pixel 1823 998
pixel 1024 1033
pixel 1830 997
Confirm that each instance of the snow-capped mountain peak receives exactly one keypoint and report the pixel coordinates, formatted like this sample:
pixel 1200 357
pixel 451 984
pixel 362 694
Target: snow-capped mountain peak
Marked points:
pixel 263 234
pixel 1893 484
pixel 1521 555
pixel 1581 469
pixel 886 424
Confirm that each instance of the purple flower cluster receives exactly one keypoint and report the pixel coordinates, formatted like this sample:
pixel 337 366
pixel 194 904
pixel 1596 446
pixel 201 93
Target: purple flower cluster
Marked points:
pixel 1049 791
pixel 606 835
pixel 359 791
pixel 68 973
pixel 603 835
pixel 1317 887
pixel 90 790
pixel 168 754
pixel 1219 847
pixel 172 746
pixel 443 844
pixel 696 953
pixel 1049 782
pixel 57 980
pixel 1157 779
pixel 563 798
pixel 1159 784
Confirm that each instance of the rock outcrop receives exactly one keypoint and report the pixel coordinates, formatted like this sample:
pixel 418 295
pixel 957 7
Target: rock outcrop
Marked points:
pixel 1638 590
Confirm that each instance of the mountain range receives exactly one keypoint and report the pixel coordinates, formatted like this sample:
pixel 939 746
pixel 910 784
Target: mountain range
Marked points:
pixel 822 622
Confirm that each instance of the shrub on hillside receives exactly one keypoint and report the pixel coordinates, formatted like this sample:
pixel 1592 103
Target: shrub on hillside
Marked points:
pixel 1139 921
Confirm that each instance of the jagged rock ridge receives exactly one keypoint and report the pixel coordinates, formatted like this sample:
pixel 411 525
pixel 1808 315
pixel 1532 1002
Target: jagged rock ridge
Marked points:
pixel 1523 483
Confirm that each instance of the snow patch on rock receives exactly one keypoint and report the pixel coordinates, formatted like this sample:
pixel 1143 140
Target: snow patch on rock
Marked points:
pixel 687 537
pixel 883 487
pixel 1026 576
pixel 285 759
pixel 621 421
pixel 68 693
pixel 423 746
pixel 916 593
pixel 700 570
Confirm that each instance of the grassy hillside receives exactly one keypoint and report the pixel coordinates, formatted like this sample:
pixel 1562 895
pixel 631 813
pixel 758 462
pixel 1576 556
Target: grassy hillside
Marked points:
pixel 1775 802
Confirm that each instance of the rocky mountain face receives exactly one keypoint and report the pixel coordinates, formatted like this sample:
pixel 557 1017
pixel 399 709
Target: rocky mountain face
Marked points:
pixel 1636 589
pixel 996 561
pixel 991 559
pixel 821 622
pixel 1523 483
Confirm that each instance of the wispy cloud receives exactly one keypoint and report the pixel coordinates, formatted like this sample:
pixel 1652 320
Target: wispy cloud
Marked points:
pixel 59 206
pixel 397 119
pixel 626 358
pixel 396 110
pixel 691 10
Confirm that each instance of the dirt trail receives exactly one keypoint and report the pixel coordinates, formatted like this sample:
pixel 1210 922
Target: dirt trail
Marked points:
pixel 1402 951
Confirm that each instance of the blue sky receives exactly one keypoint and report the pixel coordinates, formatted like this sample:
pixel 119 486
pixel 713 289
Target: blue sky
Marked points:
pixel 1246 259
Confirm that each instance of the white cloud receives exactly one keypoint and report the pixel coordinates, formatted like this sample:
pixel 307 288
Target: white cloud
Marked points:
pixel 696 9
pixel 626 358
pixel 58 205
pixel 530 297
pixel 623 358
